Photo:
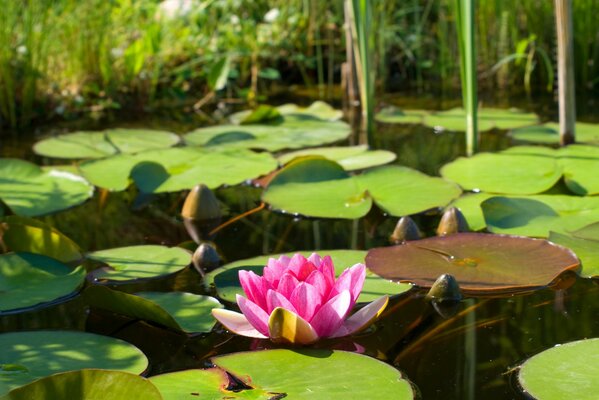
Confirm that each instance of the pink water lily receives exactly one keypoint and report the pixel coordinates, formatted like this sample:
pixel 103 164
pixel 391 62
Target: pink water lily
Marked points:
pixel 298 300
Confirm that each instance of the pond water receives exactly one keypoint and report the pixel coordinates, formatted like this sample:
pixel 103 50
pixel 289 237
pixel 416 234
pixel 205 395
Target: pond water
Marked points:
pixel 470 355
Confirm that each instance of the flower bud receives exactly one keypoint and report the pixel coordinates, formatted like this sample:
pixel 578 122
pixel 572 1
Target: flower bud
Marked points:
pixel 205 258
pixel 406 229
pixel 452 221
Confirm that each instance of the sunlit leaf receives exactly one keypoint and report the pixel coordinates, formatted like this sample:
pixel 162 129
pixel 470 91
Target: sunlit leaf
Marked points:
pixel 488 118
pixel 548 133
pixel 349 157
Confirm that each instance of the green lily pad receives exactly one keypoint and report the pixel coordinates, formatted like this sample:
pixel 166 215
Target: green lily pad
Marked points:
pixel 22 234
pixel 548 133
pixel 483 264
pixel 469 205
pixel 28 190
pixel 180 311
pixel 44 353
pixel 263 113
pixel 504 173
pixel 586 249
pixel 318 109
pixel 28 280
pixel 299 375
pixel 87 384
pixel 170 170
pixel 105 143
pixel 488 118
pixel 200 383
pixel 350 158
pixel 566 371
pixel 296 131
pixel 394 115
pixel 139 262
pixel 537 215
pixel 226 279
pixel 590 232
pixel 318 187
pixel 580 164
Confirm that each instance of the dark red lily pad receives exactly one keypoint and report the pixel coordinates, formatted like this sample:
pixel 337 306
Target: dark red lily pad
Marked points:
pixel 483 264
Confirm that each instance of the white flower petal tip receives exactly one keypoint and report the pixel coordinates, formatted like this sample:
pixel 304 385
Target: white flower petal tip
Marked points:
pixel 285 326
pixel 363 318
pixel 236 323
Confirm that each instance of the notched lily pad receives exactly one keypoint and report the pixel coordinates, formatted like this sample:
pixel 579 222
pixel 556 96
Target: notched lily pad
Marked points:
pixel 31 191
pixel 226 279
pixel 137 262
pixel 566 371
pixel 351 158
pixel 394 115
pixel 488 118
pixel 483 264
pixel 28 280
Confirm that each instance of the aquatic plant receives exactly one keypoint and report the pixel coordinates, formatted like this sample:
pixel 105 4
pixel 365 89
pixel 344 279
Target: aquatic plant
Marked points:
pixel 298 300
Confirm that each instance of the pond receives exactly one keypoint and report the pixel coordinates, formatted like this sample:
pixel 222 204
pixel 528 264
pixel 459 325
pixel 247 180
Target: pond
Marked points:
pixel 470 352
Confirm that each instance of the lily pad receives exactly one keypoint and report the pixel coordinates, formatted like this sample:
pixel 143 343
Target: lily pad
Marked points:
pixel 580 164
pixel 488 118
pixel 43 353
pixel 481 263
pixel 586 249
pixel 87 384
pixel 180 311
pixel 504 173
pixel 200 383
pixel 548 133
pixel 28 280
pixel 318 109
pixel 394 115
pixel 350 158
pixel 139 262
pixel 299 375
pixel 170 170
pixel 28 190
pixel 296 131
pixel 83 144
pixel 566 371
pixel 22 234
pixel 226 279
pixel 537 215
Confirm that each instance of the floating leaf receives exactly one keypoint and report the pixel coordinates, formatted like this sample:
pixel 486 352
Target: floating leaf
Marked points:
pixel 22 234
pixel 28 190
pixel 299 375
pixel 481 263
pixel 43 353
pixel 394 115
pixel 548 133
pixel 296 131
pixel 180 311
pixel 580 164
pixel 349 157
pixel 567 371
pixel 504 173
pixel 200 383
pixel 87 384
pixel 137 262
pixel 586 249
pixel 227 284
pixel 104 143
pixel 537 215
pixel 28 280
pixel 318 109
pixel 488 118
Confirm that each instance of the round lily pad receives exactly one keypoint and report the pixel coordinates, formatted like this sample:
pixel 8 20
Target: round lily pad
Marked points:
pixel 318 109
pixel 28 280
pixel 104 143
pixel 43 353
pixel 548 133
pixel 483 264
pixel 537 215
pixel 87 384
pixel 180 311
pixel 28 190
pixel 137 262
pixel 296 131
pixel 226 279
pixel 315 374
pixel 488 118
pixel 567 371
pixel 504 173
pixel 586 249
pixel 394 115
pixel 351 158
pixel 201 383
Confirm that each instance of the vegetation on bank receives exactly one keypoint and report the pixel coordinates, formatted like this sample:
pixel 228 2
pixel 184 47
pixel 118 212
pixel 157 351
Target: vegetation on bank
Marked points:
pixel 67 57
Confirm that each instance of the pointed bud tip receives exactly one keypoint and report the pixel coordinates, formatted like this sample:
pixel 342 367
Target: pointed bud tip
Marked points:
pixel 452 221
pixel 201 204
pixel 406 229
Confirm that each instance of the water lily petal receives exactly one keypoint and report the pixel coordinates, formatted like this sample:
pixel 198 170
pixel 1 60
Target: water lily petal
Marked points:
pixel 296 263
pixel 236 323
pixel 253 287
pixel 306 299
pixel 351 279
pixel 363 318
pixel 318 280
pixel 328 269
pixel 276 299
pixel 275 269
pixel 254 314
pixel 331 315
pixel 287 284
pixel 315 259
pixel 285 326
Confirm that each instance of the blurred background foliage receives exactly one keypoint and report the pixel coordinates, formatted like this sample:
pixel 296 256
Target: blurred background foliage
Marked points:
pixel 62 58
